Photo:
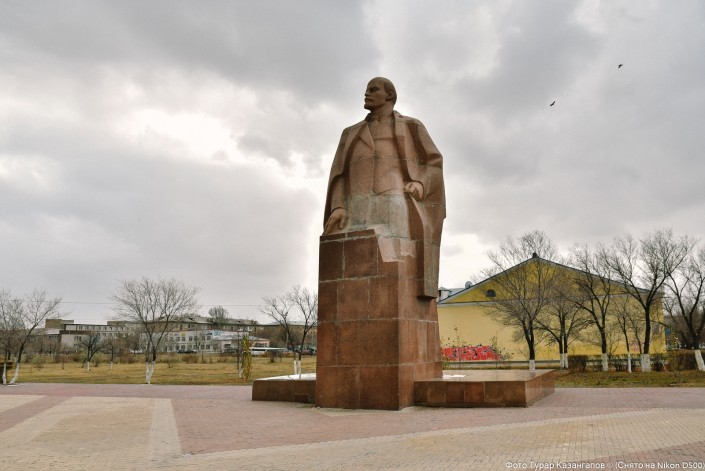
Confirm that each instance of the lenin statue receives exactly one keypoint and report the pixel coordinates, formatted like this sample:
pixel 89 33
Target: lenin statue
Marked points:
pixel 387 176
pixel 377 331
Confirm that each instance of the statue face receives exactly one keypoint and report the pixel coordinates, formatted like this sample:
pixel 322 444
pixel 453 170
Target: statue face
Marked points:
pixel 375 96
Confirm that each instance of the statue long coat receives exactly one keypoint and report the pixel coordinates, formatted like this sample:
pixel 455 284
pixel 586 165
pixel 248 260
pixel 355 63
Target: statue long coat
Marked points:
pixel 421 162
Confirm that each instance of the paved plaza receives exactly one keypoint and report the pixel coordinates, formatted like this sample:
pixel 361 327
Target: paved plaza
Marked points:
pixel 137 427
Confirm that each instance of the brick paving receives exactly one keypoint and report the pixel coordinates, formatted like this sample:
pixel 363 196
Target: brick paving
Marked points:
pixel 135 427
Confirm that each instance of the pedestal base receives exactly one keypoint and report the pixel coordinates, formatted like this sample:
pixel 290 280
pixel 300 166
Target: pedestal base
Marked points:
pixel 376 336
pixel 489 388
pixel 286 388
pixel 485 388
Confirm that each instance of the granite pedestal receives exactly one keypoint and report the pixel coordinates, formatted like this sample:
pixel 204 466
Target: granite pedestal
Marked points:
pixel 475 388
pixel 375 335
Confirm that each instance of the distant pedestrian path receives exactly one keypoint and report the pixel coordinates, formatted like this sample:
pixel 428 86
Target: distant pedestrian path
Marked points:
pixel 137 427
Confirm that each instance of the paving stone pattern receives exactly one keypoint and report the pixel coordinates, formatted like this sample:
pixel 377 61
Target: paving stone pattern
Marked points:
pixel 137 427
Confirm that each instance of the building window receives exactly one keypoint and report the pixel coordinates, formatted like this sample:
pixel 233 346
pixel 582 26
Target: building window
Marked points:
pixel 490 293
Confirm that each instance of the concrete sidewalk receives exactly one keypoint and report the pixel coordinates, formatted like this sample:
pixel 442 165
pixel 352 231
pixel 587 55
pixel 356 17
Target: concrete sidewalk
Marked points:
pixel 136 427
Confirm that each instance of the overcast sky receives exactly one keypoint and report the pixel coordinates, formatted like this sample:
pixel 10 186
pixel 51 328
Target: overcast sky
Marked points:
pixel 194 139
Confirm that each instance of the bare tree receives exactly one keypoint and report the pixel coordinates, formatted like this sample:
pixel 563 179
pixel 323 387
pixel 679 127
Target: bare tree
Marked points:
pixel 91 343
pixel 295 311
pixel 23 316
pixel 156 307
pixel 523 293
pixel 218 316
pixel 114 344
pixel 562 318
pixel 595 291
pixel 200 340
pixel 686 303
pixel 10 328
pixel 629 323
pixel 643 267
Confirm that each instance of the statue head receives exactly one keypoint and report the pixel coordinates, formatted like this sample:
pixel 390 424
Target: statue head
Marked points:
pixel 380 92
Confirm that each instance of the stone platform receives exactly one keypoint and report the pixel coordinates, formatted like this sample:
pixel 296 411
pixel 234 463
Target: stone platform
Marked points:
pixel 485 388
pixel 457 388
pixel 293 388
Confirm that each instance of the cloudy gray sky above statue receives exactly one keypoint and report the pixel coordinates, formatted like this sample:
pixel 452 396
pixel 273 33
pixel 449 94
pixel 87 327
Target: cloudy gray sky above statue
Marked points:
pixel 193 139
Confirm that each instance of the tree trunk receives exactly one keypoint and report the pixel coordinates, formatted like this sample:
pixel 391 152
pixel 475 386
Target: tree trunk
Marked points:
pixel 149 371
pixel 88 366
pixel 560 353
pixel 647 339
pixel 645 361
pixel 17 372
pixel 605 362
pixel 4 372
pixel 699 359
pixel 629 352
pixel 532 365
pixel 297 366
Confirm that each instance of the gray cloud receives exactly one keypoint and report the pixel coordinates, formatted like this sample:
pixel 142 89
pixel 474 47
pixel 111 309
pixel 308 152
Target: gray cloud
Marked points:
pixel 170 139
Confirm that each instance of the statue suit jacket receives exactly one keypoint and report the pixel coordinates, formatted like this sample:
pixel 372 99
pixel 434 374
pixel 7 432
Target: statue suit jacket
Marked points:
pixel 421 162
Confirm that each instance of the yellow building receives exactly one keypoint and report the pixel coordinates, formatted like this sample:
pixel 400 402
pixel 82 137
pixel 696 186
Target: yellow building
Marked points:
pixel 467 317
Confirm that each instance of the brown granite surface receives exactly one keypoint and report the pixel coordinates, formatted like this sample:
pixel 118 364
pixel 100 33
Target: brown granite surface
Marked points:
pixel 493 388
pixel 295 388
pixel 375 336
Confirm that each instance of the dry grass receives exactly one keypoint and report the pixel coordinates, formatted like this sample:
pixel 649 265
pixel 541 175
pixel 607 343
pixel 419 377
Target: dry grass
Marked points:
pixel 178 373
pixel 622 379
pixel 225 373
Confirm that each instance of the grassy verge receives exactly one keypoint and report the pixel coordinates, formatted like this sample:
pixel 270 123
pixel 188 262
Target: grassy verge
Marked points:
pixel 177 373
pixel 612 379
pixel 226 374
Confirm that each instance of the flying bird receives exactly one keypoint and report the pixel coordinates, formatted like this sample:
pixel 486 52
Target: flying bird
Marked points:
pixel 554 102
pixel 620 66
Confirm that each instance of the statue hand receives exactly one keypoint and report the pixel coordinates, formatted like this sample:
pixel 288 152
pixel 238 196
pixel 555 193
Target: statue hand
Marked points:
pixel 415 189
pixel 336 221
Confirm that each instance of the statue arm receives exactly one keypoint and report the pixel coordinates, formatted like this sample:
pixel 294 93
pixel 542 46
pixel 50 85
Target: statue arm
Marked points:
pixel 426 168
pixel 336 222
pixel 414 189
pixel 335 216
